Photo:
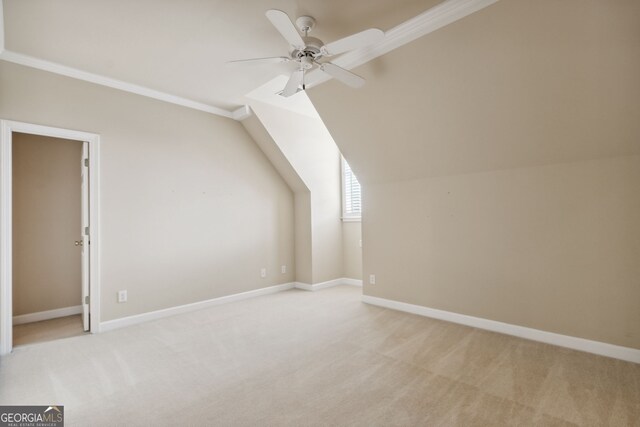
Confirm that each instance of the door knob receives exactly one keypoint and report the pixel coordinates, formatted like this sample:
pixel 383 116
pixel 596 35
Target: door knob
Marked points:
pixel 78 242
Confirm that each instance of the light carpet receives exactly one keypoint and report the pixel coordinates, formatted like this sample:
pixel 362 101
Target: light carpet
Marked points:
pixel 317 358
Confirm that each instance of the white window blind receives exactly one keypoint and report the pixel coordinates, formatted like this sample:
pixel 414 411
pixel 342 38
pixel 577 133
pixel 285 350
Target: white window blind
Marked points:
pixel 351 194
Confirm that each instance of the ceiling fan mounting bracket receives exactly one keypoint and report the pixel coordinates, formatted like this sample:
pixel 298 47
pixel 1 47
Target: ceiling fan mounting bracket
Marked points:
pixel 305 24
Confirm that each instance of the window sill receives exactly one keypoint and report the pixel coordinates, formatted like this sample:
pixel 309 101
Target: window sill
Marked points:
pixel 351 219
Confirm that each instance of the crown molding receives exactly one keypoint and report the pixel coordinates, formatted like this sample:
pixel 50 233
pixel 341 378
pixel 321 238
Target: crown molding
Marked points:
pixel 437 17
pixel 427 22
pixel 242 113
pixel 52 67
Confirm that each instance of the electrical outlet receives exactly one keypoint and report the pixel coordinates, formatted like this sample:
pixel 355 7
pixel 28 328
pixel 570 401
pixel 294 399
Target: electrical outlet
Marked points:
pixel 372 279
pixel 283 269
pixel 263 272
pixel 122 296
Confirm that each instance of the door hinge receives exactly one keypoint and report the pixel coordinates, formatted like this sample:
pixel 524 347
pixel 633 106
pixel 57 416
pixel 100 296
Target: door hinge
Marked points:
pixel 86 162
pixel 86 299
pixel 86 231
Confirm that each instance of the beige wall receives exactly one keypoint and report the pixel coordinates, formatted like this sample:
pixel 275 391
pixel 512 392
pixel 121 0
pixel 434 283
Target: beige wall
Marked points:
pixel 46 223
pixel 520 83
pixel 191 207
pixel 303 233
pixel 310 150
pixel 302 150
pixel 351 239
pixel 554 248
pixel 263 139
pixel 499 164
pixel 302 196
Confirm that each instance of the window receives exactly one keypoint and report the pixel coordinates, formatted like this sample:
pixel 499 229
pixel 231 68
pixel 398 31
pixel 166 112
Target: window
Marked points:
pixel 351 195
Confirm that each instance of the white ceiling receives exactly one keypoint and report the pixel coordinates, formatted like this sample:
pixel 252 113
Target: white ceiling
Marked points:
pixel 180 47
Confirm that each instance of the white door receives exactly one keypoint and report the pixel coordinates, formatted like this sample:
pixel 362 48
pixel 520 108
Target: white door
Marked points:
pixel 85 235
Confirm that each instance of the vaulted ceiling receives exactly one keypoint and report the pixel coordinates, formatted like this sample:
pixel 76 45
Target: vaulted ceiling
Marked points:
pixel 180 47
pixel 522 83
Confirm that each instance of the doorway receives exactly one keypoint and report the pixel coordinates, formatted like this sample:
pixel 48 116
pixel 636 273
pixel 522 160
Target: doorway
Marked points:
pixel 48 248
pixel 49 233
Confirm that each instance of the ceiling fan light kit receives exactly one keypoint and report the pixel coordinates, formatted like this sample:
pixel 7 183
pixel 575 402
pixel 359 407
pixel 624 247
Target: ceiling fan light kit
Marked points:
pixel 307 51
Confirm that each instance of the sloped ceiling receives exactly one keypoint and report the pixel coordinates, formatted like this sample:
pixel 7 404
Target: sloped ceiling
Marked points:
pixel 520 83
pixel 180 47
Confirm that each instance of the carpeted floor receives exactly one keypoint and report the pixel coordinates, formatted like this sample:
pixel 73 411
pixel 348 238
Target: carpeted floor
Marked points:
pixel 317 358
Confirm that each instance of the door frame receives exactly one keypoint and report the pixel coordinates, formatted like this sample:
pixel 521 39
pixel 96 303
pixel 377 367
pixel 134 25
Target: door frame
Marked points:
pixel 7 127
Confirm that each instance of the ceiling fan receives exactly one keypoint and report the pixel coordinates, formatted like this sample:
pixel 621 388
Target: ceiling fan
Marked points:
pixel 307 51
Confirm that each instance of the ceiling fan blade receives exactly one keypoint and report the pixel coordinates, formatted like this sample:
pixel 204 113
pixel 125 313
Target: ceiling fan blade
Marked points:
pixel 346 77
pixel 283 24
pixel 294 82
pixel 354 41
pixel 258 61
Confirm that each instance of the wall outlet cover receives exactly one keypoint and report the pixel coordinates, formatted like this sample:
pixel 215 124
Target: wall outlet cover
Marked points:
pixel 122 296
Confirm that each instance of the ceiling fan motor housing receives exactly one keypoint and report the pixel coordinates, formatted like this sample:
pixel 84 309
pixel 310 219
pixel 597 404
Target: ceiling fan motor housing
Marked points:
pixel 312 51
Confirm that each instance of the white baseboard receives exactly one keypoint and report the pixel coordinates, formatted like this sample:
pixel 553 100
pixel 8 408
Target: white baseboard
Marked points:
pixel 595 347
pixel 318 286
pixel 172 311
pixel 328 284
pixel 46 315
pixel 352 282
pixel 303 286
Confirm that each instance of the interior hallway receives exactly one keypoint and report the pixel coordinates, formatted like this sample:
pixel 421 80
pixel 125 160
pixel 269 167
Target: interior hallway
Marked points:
pixel 317 358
